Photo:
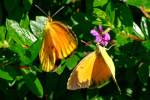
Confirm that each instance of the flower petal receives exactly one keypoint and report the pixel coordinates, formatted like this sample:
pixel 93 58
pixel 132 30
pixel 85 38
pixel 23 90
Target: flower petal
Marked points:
pixel 98 39
pixel 106 36
pixel 94 32
pixel 102 39
pixel 100 28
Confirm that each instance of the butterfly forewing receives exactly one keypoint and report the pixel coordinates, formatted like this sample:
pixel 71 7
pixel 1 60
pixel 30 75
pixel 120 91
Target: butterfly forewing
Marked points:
pixel 107 59
pixel 63 40
pixel 109 63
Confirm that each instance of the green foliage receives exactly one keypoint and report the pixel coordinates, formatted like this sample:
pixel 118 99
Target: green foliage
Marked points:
pixel 5 75
pixel 101 3
pixel 21 36
pixel 32 82
pixel 139 3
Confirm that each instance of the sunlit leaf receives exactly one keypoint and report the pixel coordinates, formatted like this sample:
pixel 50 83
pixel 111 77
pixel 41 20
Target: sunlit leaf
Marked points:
pixel 99 13
pixel 5 75
pixel 37 26
pixel 139 3
pixel 20 35
pixel 138 31
pixel 24 23
pixel 101 3
pixel 144 27
pixel 2 33
pixel 3 42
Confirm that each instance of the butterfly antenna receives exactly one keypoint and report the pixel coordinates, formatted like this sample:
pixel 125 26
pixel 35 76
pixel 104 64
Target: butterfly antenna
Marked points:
pixel 49 13
pixel 41 10
pixel 118 87
pixel 84 42
pixel 58 11
pixel 110 47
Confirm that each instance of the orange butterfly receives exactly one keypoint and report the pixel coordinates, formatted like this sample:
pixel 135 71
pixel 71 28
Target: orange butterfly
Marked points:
pixel 58 43
pixel 94 69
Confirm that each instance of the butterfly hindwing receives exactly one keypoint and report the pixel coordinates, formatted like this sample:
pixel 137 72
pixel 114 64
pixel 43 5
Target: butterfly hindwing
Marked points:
pixel 47 54
pixel 58 43
pixel 81 75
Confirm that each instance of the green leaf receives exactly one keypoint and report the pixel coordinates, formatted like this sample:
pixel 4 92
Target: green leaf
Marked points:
pixel 37 26
pixel 146 44
pixel 27 55
pixel 144 27
pixel 2 33
pixel 100 3
pixel 139 3
pixel 34 49
pixel 72 61
pixel 138 32
pixel 24 23
pixel 60 68
pixel 125 16
pixel 99 13
pixel 33 83
pixel 110 11
pixel 121 39
pixel 21 89
pixel 101 16
pixel 5 75
pixel 3 42
pixel 24 54
pixel 20 35
pixel 27 4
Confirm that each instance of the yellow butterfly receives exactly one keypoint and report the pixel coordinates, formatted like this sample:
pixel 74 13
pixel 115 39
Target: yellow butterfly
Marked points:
pixel 94 69
pixel 58 43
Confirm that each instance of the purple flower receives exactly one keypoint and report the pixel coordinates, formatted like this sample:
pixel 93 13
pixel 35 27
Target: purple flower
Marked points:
pixel 100 38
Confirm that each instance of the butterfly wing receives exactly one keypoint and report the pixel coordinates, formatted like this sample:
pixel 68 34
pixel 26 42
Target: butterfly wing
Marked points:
pixel 81 75
pixel 58 43
pixel 47 54
pixel 63 39
pixel 109 63
pixel 91 70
